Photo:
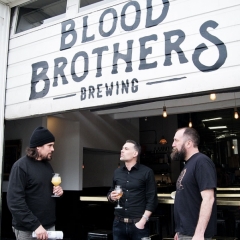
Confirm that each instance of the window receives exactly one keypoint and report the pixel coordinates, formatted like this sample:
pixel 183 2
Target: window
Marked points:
pixel 36 12
pixel 85 3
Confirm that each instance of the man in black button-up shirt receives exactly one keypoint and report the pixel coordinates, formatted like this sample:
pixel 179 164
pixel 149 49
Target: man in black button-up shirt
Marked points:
pixel 139 198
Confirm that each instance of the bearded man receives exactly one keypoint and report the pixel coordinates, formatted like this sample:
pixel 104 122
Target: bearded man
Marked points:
pixel 139 198
pixel 29 190
pixel 195 211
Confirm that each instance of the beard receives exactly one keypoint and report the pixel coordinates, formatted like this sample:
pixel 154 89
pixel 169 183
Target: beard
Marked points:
pixel 178 155
pixel 47 157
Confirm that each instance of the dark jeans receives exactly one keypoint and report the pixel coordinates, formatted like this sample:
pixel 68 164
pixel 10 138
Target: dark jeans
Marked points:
pixel 128 231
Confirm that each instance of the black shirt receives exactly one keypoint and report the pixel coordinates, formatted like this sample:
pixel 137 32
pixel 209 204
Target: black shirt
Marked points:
pixel 139 191
pixel 198 174
pixel 29 194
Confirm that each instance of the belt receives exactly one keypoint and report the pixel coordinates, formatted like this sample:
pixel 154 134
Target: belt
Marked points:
pixel 127 220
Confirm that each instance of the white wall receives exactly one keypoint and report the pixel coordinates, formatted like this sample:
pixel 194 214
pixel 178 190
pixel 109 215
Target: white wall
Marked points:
pixel 4 33
pixel 66 155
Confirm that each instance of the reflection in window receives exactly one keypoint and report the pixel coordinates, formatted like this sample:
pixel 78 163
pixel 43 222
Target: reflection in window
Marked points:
pixel 235 146
pixel 84 3
pixel 36 12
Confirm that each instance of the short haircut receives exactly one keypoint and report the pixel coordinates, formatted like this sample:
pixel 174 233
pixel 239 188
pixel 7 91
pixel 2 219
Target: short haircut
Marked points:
pixel 137 146
pixel 192 135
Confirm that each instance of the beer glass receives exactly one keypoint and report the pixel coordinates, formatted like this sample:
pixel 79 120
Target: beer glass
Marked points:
pixel 118 189
pixel 56 180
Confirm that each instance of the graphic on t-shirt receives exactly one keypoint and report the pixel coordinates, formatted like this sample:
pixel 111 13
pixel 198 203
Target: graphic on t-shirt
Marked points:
pixel 180 178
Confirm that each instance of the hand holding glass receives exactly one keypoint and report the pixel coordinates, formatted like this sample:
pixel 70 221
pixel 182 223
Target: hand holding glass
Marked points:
pixel 118 189
pixel 56 180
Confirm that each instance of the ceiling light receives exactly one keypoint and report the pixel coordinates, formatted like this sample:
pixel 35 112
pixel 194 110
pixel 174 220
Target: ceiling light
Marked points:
pixel 213 96
pixel 211 119
pixel 236 113
pixel 164 111
pixel 190 121
pixel 217 127
pixel 235 109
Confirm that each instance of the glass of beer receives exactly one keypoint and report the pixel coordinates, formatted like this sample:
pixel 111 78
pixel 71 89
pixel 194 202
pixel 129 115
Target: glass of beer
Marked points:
pixel 56 180
pixel 118 189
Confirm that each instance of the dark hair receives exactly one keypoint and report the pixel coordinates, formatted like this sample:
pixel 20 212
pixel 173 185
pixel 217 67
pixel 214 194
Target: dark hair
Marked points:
pixel 193 135
pixel 32 152
pixel 137 146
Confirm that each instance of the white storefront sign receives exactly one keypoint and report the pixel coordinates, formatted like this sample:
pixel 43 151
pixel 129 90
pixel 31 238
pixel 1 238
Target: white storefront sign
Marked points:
pixel 126 51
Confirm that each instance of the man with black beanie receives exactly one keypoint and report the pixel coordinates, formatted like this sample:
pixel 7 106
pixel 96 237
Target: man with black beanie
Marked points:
pixel 29 190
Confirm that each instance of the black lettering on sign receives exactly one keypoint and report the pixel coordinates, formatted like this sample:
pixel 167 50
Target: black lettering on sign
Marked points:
pixel 146 51
pixel 175 46
pixel 73 67
pixel 114 24
pixel 126 57
pixel 136 23
pixel 59 70
pixel 134 88
pixel 99 91
pixel 37 77
pixel 85 38
pixel 91 91
pixel 149 21
pixel 117 86
pixel 202 47
pixel 109 90
pixel 99 52
pixel 83 93
pixel 68 32
pixel 125 86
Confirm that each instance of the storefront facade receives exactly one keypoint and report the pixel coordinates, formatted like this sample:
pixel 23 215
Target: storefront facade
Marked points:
pixel 130 54
pixel 132 50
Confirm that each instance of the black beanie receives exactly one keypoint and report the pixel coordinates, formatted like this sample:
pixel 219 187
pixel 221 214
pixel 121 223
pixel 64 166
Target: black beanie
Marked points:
pixel 41 136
